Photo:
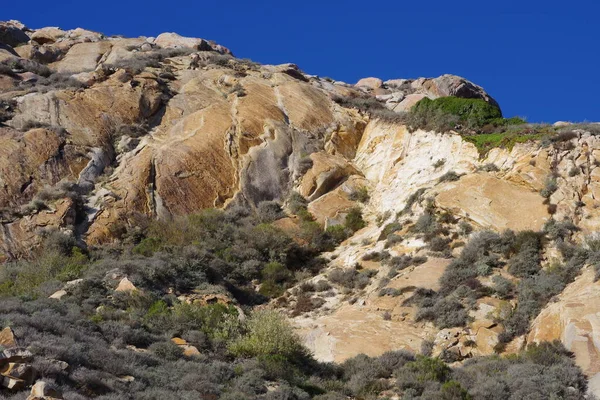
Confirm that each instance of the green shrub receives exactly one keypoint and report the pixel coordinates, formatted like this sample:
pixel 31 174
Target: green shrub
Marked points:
pixel 453 390
pixel 74 266
pixel 167 350
pixel 559 229
pixel 550 187
pixel 147 247
pixel 429 369
pixel 7 110
pixel 426 224
pixel 503 287
pixel 490 167
pixel 412 199
pixel 268 334
pixel 337 233
pixel 445 112
pixel 389 229
pixel 371 106
pixel 276 272
pixel 296 202
pixel 393 240
pixel 269 211
pixel 271 289
pixel 354 220
pixel 361 194
pixel 449 176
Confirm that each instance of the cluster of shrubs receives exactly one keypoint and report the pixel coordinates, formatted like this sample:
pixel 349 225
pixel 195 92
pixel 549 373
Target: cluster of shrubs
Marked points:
pixel 47 78
pixel 148 59
pixel 402 262
pixel 312 231
pixel 259 358
pixel 454 113
pixel 351 278
pixel 435 229
pixel 520 254
pixel 369 105
pixel 542 371
pixel 105 335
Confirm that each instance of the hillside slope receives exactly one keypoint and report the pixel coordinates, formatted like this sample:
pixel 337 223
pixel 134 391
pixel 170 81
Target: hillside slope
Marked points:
pixel 435 231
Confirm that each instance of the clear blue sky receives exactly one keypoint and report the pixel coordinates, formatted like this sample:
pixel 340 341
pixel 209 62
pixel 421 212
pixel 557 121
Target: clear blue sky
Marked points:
pixel 539 59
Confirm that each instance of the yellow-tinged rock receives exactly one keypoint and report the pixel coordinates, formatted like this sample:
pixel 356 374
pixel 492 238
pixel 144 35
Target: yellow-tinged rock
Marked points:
pixel 44 391
pixel 370 83
pixel 7 338
pixel 125 285
pixel 83 57
pixel 331 206
pixel 486 340
pixel 327 172
pixel 188 350
pixel 575 320
pixel 59 294
pixel 426 275
pixel 178 341
pixel 494 203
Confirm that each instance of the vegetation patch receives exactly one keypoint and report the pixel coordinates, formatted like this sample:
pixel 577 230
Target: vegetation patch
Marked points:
pixel 486 142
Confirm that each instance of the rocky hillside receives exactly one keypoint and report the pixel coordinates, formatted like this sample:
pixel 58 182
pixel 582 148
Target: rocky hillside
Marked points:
pixel 166 183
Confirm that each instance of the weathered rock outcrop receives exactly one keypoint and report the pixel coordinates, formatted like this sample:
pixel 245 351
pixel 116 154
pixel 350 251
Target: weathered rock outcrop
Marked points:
pixel 170 125
pixel 574 319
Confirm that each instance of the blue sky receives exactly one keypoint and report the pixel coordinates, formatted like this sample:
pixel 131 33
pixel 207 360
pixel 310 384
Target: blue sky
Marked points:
pixel 539 59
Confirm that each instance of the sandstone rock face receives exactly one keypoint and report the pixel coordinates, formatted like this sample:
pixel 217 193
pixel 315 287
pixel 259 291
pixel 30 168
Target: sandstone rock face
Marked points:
pixel 360 327
pixel 83 57
pixel 494 203
pixel 29 161
pixel 174 139
pixel 326 174
pixel 399 163
pixel 220 149
pixel 575 320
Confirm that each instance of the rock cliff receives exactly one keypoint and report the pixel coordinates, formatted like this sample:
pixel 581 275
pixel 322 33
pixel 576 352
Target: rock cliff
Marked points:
pixel 98 130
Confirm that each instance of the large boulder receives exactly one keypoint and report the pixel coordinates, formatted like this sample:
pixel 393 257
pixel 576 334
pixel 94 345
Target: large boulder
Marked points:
pixel 452 85
pixel 326 174
pixel 574 319
pixel 44 54
pixel 50 34
pixel 17 375
pixel 13 33
pixel 44 391
pixel 7 338
pixel 369 83
pixel 173 40
pixel 83 57
pixel 15 355
pixel 493 203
